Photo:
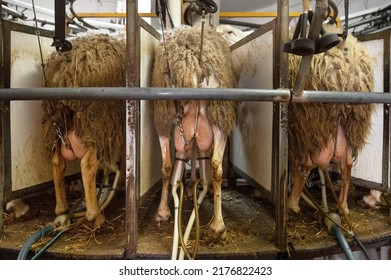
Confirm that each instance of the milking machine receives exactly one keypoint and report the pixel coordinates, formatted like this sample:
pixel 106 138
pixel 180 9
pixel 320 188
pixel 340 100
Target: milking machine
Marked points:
pixel 176 181
pixel 64 222
pixel 332 220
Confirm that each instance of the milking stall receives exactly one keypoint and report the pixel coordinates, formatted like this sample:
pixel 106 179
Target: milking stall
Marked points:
pixel 170 130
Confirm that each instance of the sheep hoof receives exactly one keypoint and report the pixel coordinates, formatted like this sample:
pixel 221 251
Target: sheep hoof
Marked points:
pixel 98 218
pixel 61 210
pixel 163 215
pixel 218 232
pixel 346 210
pixel 294 209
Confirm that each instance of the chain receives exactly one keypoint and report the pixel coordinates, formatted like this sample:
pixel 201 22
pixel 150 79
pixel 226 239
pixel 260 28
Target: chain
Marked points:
pixel 61 136
pixel 57 128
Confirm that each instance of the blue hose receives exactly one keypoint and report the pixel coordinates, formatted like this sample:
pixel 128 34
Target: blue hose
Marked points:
pixel 334 229
pixel 36 236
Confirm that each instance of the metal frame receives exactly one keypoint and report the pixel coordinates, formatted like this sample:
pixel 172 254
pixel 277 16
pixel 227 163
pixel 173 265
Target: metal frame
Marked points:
pixel 6 27
pixel 132 128
pixel 386 167
pixel 2 171
pixel 386 36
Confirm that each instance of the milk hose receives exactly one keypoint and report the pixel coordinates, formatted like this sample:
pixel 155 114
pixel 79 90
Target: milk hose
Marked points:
pixel 205 175
pixel 194 216
pixel 63 220
pixel 176 179
pixel 336 231
pixel 333 221
pixel 347 219
pixel 191 221
pixel 34 238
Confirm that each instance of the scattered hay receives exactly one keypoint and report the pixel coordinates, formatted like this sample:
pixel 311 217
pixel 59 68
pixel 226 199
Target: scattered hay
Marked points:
pixel 239 231
pixel 82 235
pixel 309 229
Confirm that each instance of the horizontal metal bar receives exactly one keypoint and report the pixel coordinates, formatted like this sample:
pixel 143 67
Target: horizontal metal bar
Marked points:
pixel 340 97
pixel 152 93
pixel 145 93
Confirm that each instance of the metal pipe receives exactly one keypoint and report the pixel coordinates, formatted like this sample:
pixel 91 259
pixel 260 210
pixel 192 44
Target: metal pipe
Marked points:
pixel 144 93
pixel 30 7
pixel 152 93
pixel 341 96
pixel 13 12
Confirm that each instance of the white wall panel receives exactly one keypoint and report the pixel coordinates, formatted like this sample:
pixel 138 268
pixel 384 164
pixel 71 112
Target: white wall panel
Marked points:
pixel 29 166
pixel 370 160
pixel 150 155
pixel 251 141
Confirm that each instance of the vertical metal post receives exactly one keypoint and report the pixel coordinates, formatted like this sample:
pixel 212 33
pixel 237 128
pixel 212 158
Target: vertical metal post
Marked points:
pixel 280 128
pixel 386 118
pixel 1 129
pixel 132 127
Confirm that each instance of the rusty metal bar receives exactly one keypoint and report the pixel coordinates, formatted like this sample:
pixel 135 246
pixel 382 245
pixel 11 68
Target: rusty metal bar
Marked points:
pixel 280 124
pixel 2 175
pixel 132 127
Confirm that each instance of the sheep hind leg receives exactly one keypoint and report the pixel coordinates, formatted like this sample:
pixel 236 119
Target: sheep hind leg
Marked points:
pixel 217 225
pixel 89 168
pixel 58 169
pixel 298 186
pixel 163 213
pixel 346 170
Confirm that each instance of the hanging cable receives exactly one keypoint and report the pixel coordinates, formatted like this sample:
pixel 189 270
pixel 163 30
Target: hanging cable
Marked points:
pixel 168 13
pixel 167 75
pixel 39 42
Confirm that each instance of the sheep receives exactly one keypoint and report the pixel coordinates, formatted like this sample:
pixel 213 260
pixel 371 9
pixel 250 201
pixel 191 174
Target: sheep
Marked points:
pixel 178 64
pixel 90 130
pixel 231 34
pixel 324 133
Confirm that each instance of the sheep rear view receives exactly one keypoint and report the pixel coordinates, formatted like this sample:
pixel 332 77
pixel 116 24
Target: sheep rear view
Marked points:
pixel 199 126
pixel 324 133
pixel 90 130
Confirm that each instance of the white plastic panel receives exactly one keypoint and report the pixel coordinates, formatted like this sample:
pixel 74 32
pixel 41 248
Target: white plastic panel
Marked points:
pixel 369 161
pixel 150 155
pixel 251 141
pixel 29 166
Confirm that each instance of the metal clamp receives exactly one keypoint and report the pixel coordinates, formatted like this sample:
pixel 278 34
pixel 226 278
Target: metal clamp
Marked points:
pixel 209 6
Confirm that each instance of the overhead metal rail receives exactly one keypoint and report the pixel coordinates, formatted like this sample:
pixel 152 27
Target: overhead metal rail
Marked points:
pixel 152 93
